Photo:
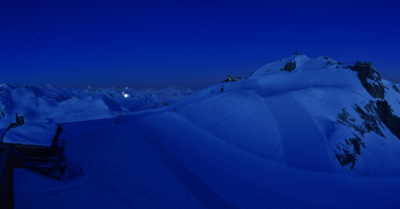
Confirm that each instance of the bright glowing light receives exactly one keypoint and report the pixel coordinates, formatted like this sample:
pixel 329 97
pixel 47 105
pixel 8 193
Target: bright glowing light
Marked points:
pixel 125 95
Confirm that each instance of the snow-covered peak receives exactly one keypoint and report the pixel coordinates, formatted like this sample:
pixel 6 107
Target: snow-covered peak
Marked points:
pixel 5 86
pixel 48 86
pixel 302 63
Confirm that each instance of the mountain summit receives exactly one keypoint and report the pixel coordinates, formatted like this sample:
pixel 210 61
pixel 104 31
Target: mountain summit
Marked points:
pixel 308 113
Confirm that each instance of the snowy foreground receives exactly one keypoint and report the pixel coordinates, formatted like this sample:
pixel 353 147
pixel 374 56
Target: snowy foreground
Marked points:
pixel 269 141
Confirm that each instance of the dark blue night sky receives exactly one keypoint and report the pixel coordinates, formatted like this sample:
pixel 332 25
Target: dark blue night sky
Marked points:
pixel 185 43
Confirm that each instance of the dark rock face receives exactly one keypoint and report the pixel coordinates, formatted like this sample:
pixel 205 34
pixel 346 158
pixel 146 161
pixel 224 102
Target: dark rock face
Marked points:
pixel 396 89
pixel 346 157
pixel 347 154
pixel 289 66
pixel 372 116
pixel 374 87
pixel 357 143
pixel 386 115
pixel 370 120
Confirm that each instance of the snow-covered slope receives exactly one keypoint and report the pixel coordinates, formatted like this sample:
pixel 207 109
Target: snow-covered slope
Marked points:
pixel 298 133
pixel 296 118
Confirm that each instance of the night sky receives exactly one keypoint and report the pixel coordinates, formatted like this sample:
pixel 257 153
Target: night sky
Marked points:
pixel 193 44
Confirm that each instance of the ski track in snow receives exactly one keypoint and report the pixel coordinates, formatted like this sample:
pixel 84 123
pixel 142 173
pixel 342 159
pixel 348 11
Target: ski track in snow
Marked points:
pixel 303 144
pixel 109 166
pixel 191 181
pixel 316 189
pixel 251 84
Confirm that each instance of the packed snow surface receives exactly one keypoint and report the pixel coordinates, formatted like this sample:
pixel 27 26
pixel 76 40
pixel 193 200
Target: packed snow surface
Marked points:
pixel 40 134
pixel 269 141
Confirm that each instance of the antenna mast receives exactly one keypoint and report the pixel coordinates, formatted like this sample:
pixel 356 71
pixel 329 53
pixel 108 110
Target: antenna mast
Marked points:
pixel 297 53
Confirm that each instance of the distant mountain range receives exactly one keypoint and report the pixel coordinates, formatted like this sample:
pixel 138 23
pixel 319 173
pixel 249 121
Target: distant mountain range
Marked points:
pixel 68 104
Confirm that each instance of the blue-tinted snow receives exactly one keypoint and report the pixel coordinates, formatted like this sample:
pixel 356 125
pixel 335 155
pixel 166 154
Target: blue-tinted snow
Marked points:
pixel 40 134
pixel 265 142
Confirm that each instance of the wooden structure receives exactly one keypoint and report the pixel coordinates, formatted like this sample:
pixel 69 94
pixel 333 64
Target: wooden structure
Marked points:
pixel 45 155
pixel 9 160
pixel 363 64
pixel 48 160
pixel 230 78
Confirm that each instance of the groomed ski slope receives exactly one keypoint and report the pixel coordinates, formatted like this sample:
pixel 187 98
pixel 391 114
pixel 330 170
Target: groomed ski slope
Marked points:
pixel 322 190
pixel 303 144
pixel 111 165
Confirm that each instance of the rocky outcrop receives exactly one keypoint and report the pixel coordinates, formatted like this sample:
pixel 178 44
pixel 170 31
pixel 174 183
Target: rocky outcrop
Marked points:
pixel 396 89
pixel 371 80
pixel 289 66
pixel 347 154
pixel 370 119
pixel 372 116
pixel 386 115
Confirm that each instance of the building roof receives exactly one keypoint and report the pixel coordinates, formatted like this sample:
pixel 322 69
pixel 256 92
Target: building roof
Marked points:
pixel 40 134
